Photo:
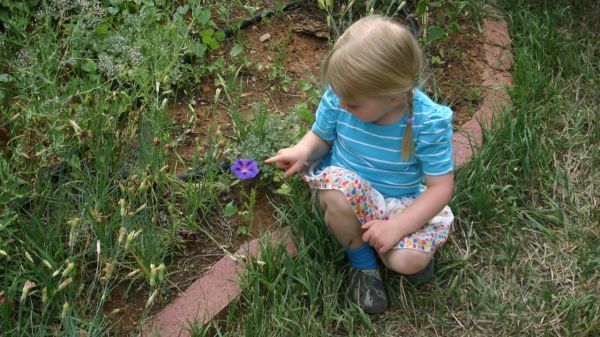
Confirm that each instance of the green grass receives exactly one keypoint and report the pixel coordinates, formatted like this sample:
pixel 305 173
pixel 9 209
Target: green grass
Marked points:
pixel 523 259
pixel 88 194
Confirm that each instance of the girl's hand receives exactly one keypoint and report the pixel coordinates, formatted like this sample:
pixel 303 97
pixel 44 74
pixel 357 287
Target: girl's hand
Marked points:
pixel 291 159
pixel 382 235
pixel 311 147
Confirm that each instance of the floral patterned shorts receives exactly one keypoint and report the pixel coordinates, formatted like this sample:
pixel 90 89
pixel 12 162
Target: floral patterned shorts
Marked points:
pixel 369 204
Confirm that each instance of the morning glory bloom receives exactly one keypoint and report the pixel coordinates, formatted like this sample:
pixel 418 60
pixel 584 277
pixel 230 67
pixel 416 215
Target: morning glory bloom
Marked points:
pixel 245 168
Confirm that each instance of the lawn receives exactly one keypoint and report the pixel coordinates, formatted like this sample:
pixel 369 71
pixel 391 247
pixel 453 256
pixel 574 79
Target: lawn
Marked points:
pixel 98 130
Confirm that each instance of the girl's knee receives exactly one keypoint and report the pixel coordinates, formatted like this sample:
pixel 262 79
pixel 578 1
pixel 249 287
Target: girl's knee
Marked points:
pixel 334 201
pixel 406 261
pixel 339 217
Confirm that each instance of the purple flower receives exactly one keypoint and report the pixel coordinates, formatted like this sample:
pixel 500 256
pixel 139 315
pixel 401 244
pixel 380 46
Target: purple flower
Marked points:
pixel 244 168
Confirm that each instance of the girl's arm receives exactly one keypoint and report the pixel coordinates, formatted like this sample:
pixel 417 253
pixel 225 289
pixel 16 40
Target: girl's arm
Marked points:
pixel 427 205
pixel 310 148
pixel 384 234
pixel 317 147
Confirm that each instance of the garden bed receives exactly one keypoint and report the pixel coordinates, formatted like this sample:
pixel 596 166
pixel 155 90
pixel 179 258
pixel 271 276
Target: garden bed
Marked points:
pixel 283 58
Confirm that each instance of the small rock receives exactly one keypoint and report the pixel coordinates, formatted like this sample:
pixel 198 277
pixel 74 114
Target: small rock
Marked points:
pixel 265 37
pixel 184 233
pixel 312 27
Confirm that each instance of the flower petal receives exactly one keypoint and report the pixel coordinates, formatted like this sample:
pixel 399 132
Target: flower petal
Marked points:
pixel 245 168
pixel 236 169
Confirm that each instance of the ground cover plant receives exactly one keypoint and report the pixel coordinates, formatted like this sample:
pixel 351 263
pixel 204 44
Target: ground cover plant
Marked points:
pixel 100 126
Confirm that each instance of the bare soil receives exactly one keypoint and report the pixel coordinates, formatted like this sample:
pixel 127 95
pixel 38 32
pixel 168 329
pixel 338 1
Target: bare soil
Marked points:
pixel 458 76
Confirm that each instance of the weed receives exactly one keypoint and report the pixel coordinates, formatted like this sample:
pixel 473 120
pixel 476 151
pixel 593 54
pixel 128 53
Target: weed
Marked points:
pixel 263 134
pixel 87 197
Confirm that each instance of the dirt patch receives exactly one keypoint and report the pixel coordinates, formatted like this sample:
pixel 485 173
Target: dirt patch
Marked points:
pixel 289 54
pixel 263 214
pixel 457 62
pixel 4 138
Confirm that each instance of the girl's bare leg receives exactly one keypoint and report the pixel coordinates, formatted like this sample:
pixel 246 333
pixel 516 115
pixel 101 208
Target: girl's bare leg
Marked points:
pixel 365 286
pixel 406 261
pixel 340 218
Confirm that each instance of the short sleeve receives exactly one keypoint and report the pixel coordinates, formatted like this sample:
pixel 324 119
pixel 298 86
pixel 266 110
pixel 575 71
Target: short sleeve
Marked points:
pixel 326 118
pixel 433 147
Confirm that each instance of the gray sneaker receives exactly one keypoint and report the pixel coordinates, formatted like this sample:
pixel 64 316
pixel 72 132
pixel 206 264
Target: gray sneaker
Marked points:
pixel 423 276
pixel 366 289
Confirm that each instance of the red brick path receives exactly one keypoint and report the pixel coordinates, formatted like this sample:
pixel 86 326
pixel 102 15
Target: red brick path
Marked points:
pixel 496 79
pixel 211 294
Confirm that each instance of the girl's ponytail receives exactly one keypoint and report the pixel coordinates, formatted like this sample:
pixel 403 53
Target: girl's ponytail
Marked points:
pixel 408 144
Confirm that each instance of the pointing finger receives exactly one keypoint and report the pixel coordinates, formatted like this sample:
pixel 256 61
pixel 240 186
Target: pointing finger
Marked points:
pixel 273 159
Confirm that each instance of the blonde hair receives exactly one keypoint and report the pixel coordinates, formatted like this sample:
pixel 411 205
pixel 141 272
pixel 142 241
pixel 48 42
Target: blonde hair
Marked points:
pixel 378 58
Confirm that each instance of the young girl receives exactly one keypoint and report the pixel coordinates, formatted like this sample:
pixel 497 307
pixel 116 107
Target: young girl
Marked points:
pixel 375 139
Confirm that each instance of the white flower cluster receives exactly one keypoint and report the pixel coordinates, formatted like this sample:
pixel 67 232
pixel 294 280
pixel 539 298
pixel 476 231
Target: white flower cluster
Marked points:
pixel 24 59
pixel 59 7
pixel 68 61
pixel 117 54
pixel 91 14
pixel 109 66
pixel 51 105
pixel 87 13
pixel 62 6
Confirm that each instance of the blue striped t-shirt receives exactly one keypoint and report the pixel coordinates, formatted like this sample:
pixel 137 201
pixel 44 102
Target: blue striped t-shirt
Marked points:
pixel 375 151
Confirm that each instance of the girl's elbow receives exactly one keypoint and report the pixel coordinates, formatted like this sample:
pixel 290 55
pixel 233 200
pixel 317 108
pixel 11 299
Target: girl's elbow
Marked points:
pixel 442 185
pixel 450 187
pixel 445 186
pixel 450 190
pixel 451 183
